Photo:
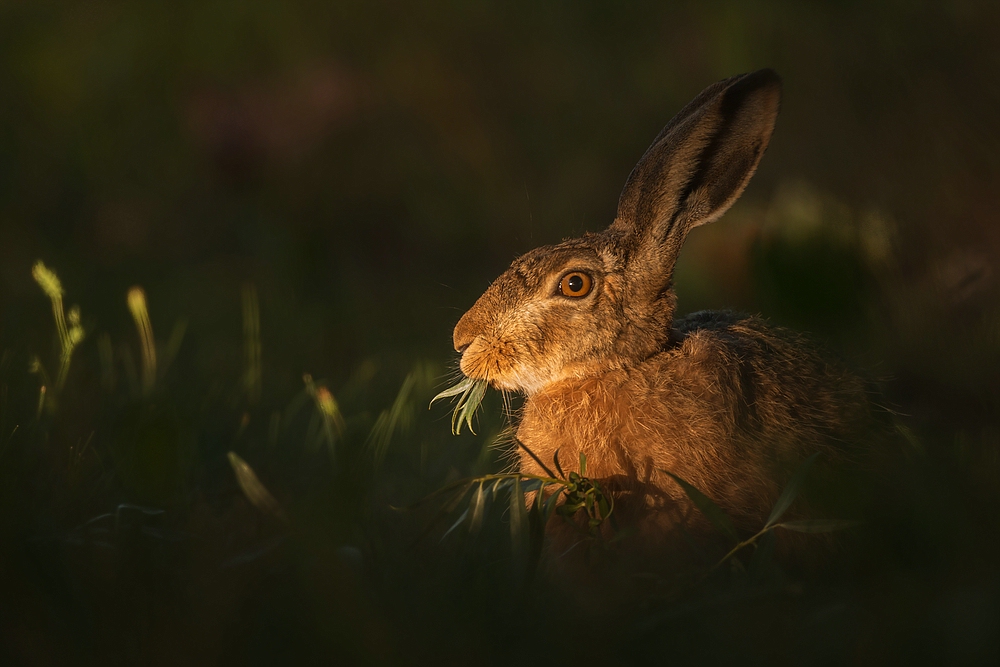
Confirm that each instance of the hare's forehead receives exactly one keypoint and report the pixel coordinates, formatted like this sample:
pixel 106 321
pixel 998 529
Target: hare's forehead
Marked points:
pixel 540 264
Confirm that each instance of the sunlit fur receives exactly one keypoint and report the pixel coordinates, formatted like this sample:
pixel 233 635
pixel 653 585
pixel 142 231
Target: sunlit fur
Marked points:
pixel 725 401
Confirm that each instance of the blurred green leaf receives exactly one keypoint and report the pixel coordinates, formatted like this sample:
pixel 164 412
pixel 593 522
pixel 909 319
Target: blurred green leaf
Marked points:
pixel 498 485
pixel 253 489
pixel 464 484
pixel 397 418
pixel 478 509
pixel 458 522
pixel 549 503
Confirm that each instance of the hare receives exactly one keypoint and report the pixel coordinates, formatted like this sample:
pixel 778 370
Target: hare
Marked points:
pixel 586 330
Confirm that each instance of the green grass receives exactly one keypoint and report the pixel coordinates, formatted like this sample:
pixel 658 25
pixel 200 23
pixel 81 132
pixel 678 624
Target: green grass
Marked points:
pixel 151 515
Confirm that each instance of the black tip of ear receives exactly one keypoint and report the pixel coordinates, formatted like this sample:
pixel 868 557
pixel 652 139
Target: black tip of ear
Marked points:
pixel 765 76
pixel 762 78
pixel 754 96
pixel 763 81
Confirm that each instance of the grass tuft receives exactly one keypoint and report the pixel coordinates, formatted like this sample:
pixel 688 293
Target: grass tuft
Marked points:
pixel 140 313
pixel 470 394
pixel 67 326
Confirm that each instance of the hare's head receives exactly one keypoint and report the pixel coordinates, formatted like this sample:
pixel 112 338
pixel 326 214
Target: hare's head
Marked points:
pixel 606 300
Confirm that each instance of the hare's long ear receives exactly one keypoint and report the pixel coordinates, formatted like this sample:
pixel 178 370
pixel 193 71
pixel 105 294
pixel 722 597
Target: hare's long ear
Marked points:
pixel 694 171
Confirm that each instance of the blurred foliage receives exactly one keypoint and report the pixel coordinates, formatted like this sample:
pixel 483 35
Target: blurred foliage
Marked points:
pixel 318 190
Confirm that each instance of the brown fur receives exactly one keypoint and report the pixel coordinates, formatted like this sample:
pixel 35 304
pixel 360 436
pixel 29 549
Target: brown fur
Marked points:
pixel 724 401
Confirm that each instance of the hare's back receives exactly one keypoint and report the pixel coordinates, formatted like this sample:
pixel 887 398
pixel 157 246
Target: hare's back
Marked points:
pixel 769 382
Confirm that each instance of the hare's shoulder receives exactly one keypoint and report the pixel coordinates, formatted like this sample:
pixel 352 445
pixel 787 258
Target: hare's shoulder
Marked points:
pixel 774 379
pixel 727 339
pixel 778 371
pixel 733 326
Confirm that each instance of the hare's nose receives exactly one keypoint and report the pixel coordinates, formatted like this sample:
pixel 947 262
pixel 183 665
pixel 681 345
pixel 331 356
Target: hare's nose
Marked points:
pixel 462 340
pixel 465 333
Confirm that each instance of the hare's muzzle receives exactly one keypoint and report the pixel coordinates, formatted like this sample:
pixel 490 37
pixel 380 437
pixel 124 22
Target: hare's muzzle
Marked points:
pixel 469 342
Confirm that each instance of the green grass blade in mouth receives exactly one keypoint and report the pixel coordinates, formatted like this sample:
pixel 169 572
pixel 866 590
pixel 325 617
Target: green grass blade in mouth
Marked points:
pixel 470 394
pixel 460 387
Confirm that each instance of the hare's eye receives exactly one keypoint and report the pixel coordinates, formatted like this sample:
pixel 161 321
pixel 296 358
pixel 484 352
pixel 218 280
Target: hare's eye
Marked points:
pixel 575 284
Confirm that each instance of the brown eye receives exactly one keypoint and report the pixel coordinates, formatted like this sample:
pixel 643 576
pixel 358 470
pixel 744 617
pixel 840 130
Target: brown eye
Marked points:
pixel 575 284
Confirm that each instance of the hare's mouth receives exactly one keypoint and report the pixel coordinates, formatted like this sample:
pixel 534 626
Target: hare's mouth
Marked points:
pixel 506 367
pixel 497 363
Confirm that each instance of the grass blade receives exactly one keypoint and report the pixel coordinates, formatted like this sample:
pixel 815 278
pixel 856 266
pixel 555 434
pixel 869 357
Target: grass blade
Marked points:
pixel 136 300
pixel 253 489
pixel 464 484
pixel 534 457
pixel 460 388
pixel 518 515
pixel 555 461
pixel 791 491
pixel 458 522
pixel 467 407
pixel 478 509
pixel 397 418
pixel 762 560
pixel 712 512
pixel 817 525
pixel 550 503
pixel 470 394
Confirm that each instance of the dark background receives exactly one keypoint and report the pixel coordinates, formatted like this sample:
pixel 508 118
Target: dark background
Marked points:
pixel 368 168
